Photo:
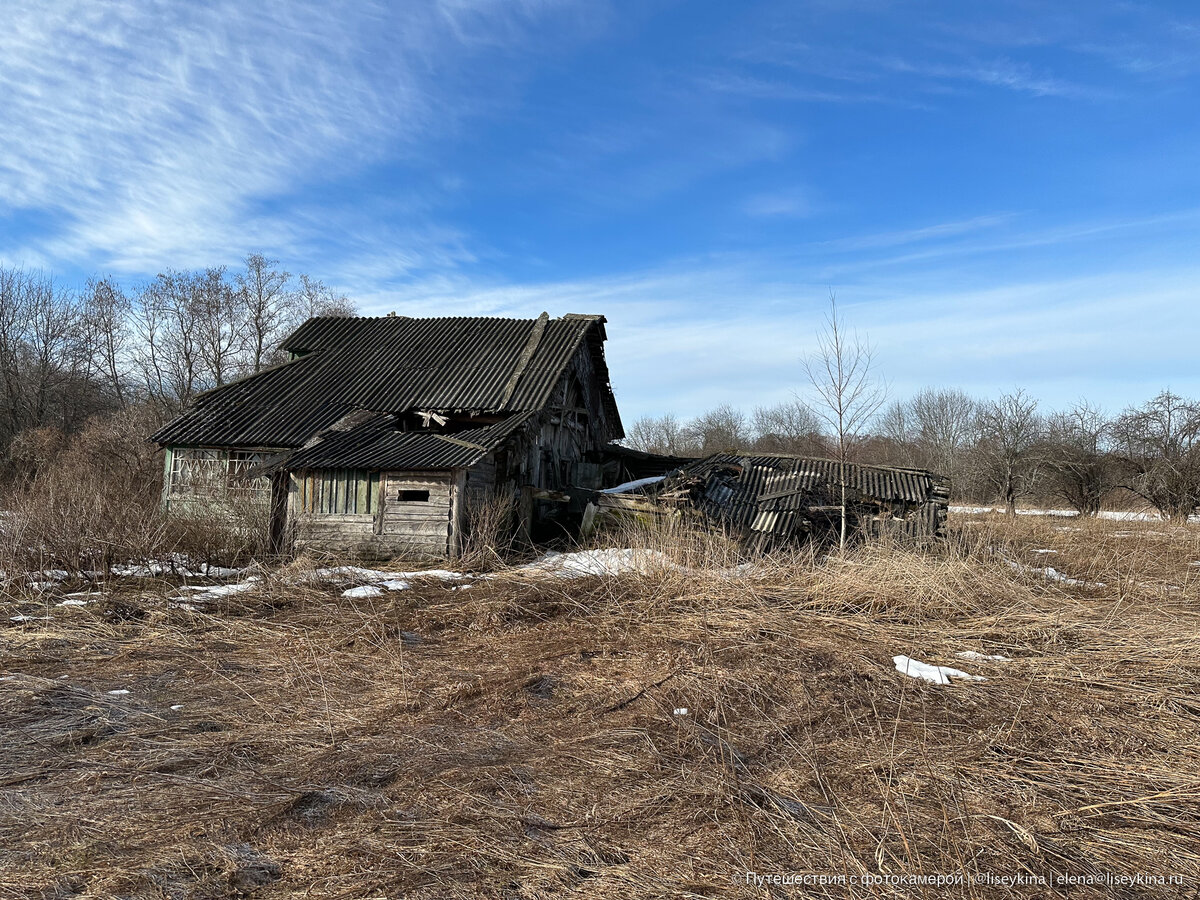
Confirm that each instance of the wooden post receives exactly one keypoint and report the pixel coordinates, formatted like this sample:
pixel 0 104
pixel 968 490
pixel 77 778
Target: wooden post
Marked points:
pixel 525 513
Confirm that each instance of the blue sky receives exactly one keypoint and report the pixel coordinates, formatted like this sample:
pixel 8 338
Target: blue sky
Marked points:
pixel 1000 193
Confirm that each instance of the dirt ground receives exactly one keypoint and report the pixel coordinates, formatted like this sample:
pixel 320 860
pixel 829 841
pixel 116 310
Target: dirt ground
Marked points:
pixel 705 732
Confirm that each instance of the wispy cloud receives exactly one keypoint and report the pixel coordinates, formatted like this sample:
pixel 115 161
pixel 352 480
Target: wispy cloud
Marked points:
pixel 787 202
pixel 999 72
pixel 142 134
pixel 939 231
pixel 683 339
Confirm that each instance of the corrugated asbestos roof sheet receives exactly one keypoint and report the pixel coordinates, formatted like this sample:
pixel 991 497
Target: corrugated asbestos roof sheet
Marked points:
pixel 769 474
pixel 775 494
pixel 377 444
pixel 392 364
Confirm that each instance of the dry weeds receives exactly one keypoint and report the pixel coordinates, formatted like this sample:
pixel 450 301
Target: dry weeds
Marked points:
pixel 519 738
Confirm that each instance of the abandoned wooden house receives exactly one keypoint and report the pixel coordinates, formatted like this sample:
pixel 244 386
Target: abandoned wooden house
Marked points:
pixel 380 435
pixel 766 500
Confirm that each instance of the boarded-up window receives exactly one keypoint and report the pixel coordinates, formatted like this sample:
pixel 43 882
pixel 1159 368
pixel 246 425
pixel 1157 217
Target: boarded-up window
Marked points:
pixel 339 492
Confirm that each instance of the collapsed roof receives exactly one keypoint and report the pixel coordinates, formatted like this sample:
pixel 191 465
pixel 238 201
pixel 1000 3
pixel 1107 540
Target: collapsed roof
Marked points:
pixel 766 498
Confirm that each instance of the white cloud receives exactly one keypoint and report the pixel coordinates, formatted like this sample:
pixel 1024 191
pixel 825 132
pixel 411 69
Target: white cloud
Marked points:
pixel 148 134
pixel 701 333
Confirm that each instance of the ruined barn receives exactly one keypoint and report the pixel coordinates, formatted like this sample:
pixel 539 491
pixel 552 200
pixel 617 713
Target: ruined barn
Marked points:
pixel 380 435
pixel 768 500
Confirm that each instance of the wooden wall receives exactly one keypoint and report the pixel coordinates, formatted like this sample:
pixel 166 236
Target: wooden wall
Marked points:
pixel 399 525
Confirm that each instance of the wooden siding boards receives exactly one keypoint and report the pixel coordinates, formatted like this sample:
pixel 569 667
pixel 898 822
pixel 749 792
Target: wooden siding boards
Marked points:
pixel 396 527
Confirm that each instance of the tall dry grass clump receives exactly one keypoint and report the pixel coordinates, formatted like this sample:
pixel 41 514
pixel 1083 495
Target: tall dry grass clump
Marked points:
pixel 90 501
pixel 489 537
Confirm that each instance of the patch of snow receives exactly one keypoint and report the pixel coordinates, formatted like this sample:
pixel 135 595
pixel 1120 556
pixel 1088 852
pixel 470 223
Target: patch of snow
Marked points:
pixel 972 654
pixel 1110 515
pixel 1052 574
pixel 357 573
pixel 25 618
pixel 1195 562
pixel 399 584
pixel 583 563
pixel 177 707
pixel 220 571
pixel 1043 551
pixel 365 590
pixel 681 711
pixel 119 692
pixel 633 485
pixel 914 668
pixel 56 574
pixel 224 590
pixel 71 601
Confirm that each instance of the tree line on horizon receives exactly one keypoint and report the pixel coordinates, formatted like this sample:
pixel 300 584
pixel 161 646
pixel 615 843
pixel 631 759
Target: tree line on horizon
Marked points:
pixel 71 354
pixel 109 353
pixel 1003 450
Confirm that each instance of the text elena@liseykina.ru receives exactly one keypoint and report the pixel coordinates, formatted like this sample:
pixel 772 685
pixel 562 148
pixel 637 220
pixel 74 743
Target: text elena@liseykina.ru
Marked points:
pixel 1110 879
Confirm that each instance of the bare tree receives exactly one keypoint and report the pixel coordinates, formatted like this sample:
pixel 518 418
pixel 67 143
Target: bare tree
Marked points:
pixel 1159 445
pixel 790 427
pixel 841 372
pixel 107 314
pixel 663 435
pixel 1077 457
pixel 314 298
pixel 933 430
pixel 720 430
pixel 1010 431
pixel 221 326
pixel 267 301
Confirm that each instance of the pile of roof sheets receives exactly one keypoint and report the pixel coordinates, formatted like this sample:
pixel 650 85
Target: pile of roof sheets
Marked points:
pixel 780 497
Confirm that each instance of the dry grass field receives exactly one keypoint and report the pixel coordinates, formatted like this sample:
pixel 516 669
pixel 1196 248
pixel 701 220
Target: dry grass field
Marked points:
pixel 527 737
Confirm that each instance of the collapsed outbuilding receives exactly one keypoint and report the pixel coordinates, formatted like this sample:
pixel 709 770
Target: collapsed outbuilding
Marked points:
pixel 769 499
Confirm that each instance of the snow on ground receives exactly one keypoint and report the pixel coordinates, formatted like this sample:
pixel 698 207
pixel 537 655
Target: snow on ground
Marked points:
pixel 366 590
pixel 1052 574
pixel 914 668
pixel 357 573
pixel 972 654
pixel 633 485
pixel 119 692
pixel 1111 515
pixel 1043 551
pixel 224 590
pixel 599 562
pixel 74 601
pixel 178 565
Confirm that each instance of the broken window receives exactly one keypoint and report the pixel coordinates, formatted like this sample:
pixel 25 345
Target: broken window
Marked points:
pixel 209 473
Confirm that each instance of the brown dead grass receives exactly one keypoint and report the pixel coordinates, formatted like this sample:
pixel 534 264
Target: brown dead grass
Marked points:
pixel 518 739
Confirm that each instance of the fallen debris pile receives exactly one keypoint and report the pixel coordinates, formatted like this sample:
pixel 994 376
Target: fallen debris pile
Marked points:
pixel 766 500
